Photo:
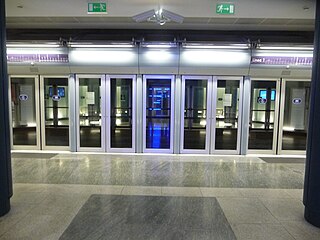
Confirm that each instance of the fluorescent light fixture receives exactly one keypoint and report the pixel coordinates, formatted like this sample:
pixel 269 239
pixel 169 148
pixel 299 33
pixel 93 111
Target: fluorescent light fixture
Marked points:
pixel 93 45
pixel 33 45
pixel 160 56
pixel 301 48
pixel 213 46
pixel 114 57
pixel 214 57
pixel 165 46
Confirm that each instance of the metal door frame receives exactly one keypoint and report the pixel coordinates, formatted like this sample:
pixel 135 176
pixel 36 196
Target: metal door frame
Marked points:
pixel 214 110
pixel 108 114
pixel 208 117
pixel 43 125
pixel 281 118
pixel 37 108
pixel 102 110
pixel 156 76
pixel 276 117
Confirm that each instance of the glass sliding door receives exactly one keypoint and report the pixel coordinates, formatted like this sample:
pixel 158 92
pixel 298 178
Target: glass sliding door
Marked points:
pixel 25 112
pixel 227 124
pixel 121 112
pixel 90 120
pixel 196 109
pixel 55 112
pixel 263 116
pixel 294 116
pixel 158 113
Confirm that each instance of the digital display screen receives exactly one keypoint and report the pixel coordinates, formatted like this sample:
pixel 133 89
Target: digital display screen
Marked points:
pixel 263 94
pixel 61 91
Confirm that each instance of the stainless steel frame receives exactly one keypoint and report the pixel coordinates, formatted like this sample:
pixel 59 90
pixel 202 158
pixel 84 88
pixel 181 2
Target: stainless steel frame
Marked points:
pixel 213 115
pixel 168 77
pixel 281 118
pixel 208 117
pixel 37 108
pixel 276 120
pixel 108 114
pixel 43 125
pixel 103 113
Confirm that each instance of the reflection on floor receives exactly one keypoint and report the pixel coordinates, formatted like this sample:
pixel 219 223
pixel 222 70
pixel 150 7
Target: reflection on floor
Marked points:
pixel 247 198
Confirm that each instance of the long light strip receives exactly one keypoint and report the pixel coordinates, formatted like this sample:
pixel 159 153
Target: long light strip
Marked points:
pixel 301 48
pixel 30 45
pixel 77 45
pixel 200 46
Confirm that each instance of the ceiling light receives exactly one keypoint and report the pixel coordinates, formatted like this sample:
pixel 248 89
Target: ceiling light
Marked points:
pixel 288 47
pixel 213 46
pixel 93 45
pixel 32 45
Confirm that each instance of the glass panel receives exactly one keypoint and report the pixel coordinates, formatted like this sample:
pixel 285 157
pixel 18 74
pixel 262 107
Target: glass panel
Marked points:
pixel 195 114
pixel 158 113
pixel 23 107
pixel 227 114
pixel 56 111
pixel 296 112
pixel 121 113
pixel 262 114
pixel 90 112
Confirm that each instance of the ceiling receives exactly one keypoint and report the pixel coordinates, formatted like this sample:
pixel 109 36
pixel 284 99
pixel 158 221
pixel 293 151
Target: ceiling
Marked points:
pixel 261 15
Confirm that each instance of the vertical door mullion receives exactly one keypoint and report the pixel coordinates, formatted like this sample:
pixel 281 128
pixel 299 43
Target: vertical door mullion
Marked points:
pixel 42 107
pixel 209 114
pixel 183 95
pixel 213 113
pixel 78 111
pixel 281 115
pixel 277 118
pixel 103 99
pixel 240 112
pixel 172 110
pixel 107 113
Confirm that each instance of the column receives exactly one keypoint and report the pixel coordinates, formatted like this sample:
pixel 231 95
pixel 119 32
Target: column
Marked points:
pixel 5 155
pixel 311 197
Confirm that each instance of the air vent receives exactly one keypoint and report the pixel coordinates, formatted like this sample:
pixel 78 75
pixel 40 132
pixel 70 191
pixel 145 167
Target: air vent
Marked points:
pixel 34 69
pixel 286 73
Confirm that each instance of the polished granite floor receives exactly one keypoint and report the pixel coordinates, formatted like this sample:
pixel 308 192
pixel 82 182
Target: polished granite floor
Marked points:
pixel 65 196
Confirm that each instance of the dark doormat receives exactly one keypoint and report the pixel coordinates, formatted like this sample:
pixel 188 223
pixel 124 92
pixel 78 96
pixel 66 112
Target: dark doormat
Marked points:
pixel 33 155
pixel 149 217
pixel 283 160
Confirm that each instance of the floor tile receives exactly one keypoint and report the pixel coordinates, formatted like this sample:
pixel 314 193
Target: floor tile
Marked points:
pixel 220 192
pixel 264 193
pixel 284 209
pixel 245 210
pixel 302 230
pixel 142 190
pixel 149 217
pixel 261 232
pixel 179 191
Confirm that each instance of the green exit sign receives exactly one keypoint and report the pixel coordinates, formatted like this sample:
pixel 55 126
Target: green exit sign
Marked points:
pixel 97 7
pixel 225 8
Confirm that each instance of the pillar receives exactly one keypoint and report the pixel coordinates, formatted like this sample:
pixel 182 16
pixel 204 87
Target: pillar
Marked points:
pixel 311 197
pixel 5 156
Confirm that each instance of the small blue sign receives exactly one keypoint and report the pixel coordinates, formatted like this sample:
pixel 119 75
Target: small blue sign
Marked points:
pixel 297 101
pixel 56 98
pixel 23 97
